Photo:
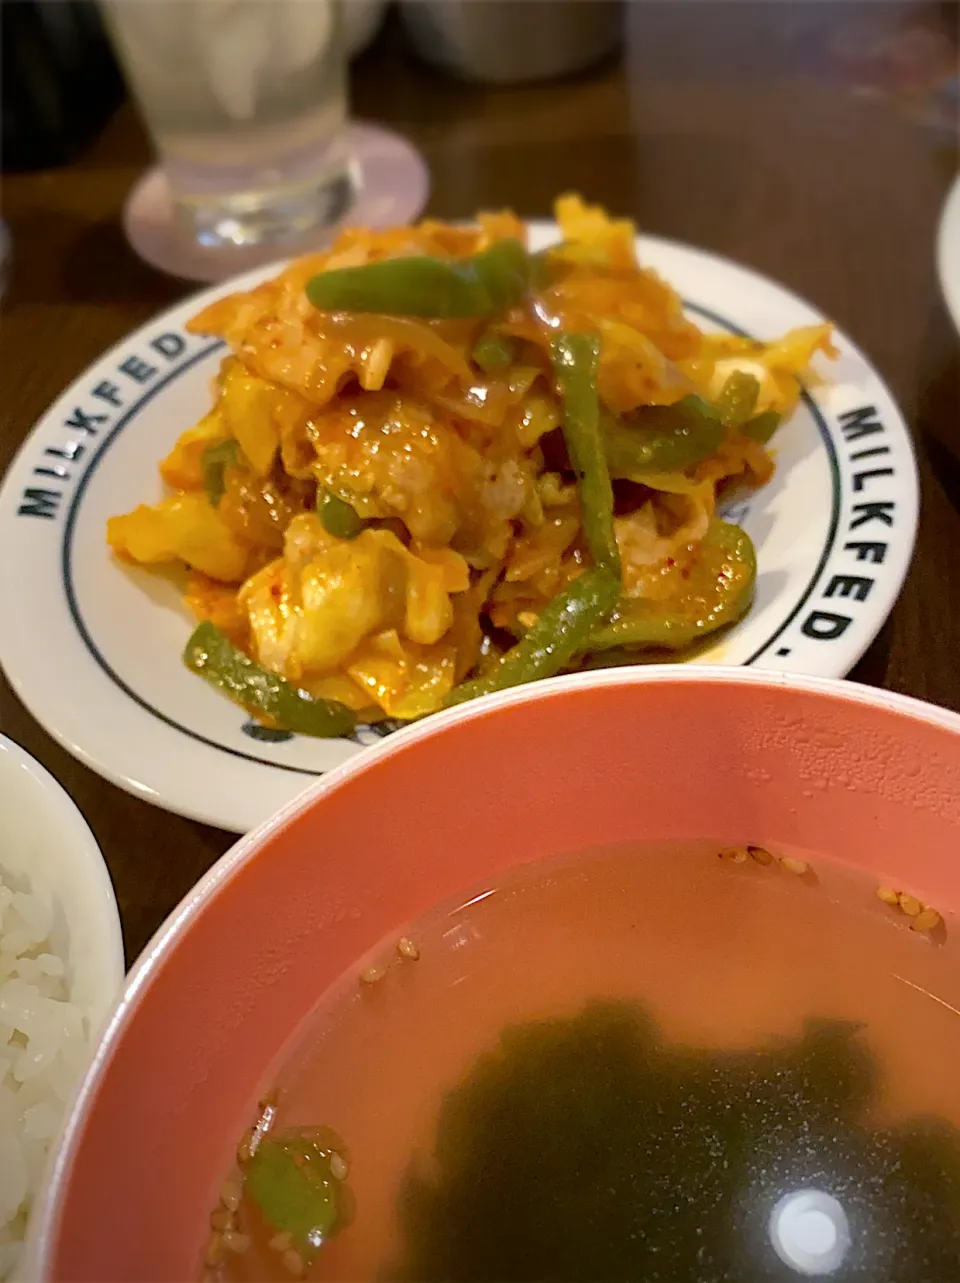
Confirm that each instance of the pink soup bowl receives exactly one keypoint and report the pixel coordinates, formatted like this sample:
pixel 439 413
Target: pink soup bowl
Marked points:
pixel 656 753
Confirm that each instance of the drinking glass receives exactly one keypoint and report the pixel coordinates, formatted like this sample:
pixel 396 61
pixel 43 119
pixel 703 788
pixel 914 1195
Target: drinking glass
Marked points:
pixel 246 103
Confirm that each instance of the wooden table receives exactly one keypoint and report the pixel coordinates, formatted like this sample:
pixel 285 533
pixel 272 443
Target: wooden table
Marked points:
pixel 724 125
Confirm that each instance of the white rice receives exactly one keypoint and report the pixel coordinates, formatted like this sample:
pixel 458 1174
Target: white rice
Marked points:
pixel 44 1047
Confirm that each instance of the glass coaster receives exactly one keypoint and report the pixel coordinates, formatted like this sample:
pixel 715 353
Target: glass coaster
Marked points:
pixel 391 183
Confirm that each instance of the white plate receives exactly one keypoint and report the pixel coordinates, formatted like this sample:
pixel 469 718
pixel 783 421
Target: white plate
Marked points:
pixel 948 252
pixel 93 649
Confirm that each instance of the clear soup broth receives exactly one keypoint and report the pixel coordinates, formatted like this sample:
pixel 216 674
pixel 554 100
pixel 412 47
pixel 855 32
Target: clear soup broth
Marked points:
pixel 646 1062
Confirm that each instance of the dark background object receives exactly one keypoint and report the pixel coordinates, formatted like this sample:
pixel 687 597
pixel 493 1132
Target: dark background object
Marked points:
pixel 60 82
pixel 509 42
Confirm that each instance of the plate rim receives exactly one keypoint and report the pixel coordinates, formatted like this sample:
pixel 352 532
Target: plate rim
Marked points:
pixel 948 251
pixel 907 496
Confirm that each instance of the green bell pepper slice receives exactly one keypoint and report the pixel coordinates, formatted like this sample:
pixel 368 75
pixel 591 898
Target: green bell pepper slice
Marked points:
pixel 211 655
pixel 291 1181
pixel 562 630
pixel 762 426
pixel 738 398
pixel 337 516
pixel 486 284
pixel 493 352
pixel 718 592
pixel 575 358
pixel 213 465
pixel 661 438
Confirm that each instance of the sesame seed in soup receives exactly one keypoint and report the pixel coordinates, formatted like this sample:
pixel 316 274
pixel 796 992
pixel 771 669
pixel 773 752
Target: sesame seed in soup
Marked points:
pixel 681 1063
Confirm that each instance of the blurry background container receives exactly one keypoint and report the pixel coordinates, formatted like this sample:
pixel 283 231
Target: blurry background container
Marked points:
pixel 59 80
pixel 361 22
pixel 512 41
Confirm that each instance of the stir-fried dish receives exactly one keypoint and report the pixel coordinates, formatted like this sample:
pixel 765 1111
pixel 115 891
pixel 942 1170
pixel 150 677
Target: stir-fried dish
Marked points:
pixel 438 465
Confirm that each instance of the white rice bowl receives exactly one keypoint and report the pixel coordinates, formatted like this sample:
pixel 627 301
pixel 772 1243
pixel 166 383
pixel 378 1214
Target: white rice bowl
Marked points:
pixel 61 966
